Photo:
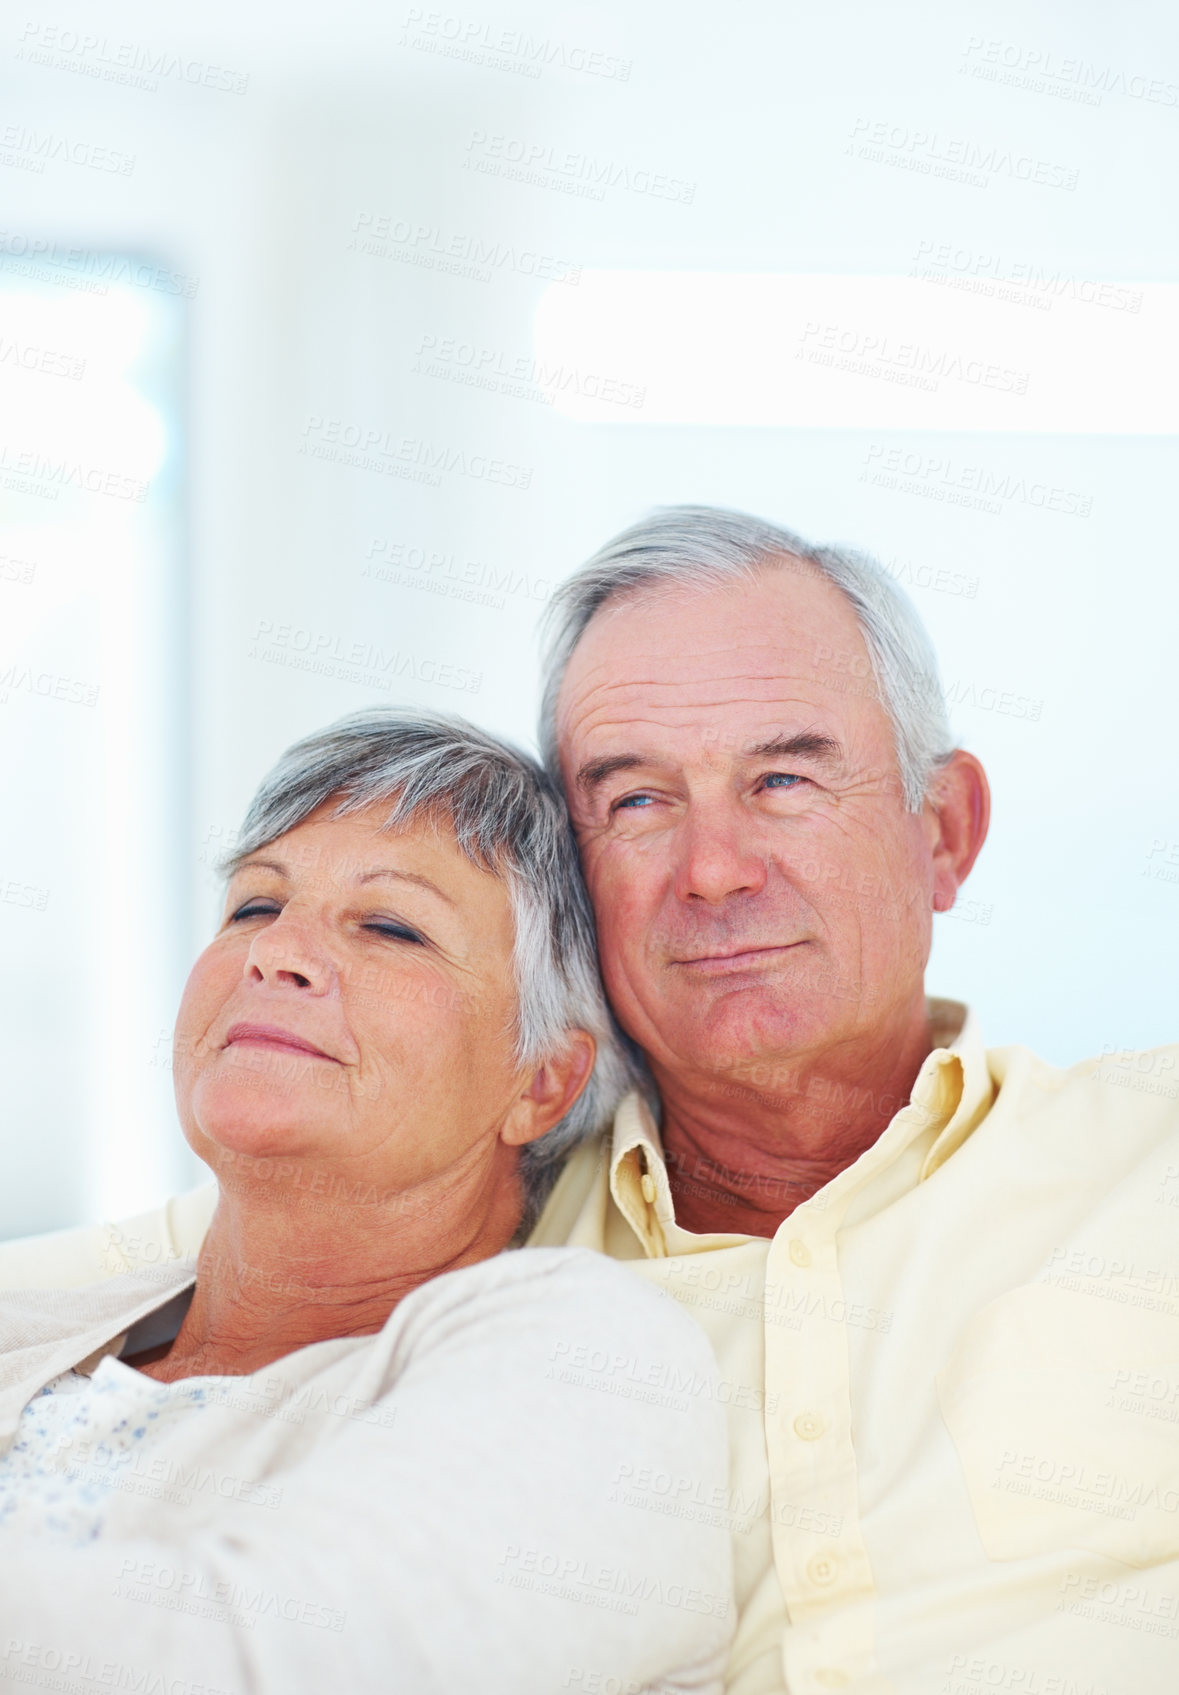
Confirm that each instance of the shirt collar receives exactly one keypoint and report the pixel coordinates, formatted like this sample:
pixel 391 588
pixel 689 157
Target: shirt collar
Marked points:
pixel 952 1094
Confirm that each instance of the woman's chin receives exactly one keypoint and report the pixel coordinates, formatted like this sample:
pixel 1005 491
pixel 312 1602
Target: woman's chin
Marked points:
pixel 248 1122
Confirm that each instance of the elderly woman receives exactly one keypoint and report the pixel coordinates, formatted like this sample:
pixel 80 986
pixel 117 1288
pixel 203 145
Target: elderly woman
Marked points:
pixel 358 1447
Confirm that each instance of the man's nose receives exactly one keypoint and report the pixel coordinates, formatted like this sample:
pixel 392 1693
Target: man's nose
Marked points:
pixel 288 953
pixel 718 858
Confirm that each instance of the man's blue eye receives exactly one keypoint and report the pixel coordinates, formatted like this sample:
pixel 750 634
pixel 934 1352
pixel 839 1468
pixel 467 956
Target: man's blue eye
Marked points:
pixel 634 801
pixel 781 779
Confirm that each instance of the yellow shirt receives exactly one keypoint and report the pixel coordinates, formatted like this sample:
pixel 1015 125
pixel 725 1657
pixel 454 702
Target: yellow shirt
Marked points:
pixel 952 1380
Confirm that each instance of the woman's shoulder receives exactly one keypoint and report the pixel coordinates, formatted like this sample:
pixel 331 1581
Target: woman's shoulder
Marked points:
pixel 560 1277
pixel 572 1299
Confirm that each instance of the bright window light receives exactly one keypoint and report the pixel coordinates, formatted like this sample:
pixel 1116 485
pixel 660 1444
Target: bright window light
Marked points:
pixel 91 733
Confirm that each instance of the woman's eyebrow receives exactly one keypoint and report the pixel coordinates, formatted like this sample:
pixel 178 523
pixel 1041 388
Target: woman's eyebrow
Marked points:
pixel 414 877
pixel 261 865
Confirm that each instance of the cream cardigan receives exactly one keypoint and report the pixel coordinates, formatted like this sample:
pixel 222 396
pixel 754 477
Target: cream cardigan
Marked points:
pixel 442 1507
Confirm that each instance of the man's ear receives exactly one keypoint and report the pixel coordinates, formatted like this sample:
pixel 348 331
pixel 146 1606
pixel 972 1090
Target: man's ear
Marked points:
pixel 958 811
pixel 550 1091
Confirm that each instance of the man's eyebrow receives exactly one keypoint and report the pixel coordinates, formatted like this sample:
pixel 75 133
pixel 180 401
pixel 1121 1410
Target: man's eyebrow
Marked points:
pixel 808 744
pixel 596 771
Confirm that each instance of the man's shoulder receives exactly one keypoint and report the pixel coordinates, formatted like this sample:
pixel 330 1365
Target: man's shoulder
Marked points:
pixel 1134 1091
pixel 1150 1073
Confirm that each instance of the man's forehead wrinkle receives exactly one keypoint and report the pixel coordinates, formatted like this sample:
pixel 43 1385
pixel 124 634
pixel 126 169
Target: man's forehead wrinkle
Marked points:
pixel 746 658
pixel 775 722
pixel 630 727
pixel 656 693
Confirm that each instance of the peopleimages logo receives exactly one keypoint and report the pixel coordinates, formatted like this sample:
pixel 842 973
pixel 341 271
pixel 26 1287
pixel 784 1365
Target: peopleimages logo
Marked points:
pixel 43 361
pixel 31 149
pixel 500 49
pixel 612 1587
pixel 873 354
pixel 27 472
pixel 435 571
pixel 23 1659
pixel 1020 281
pixel 521 376
pixel 1040 71
pixel 180 1590
pixel 569 172
pixel 955 157
pixel 941 477
pixel 331 655
pixel 81 268
pixel 343 443
pixel 478 258
pixel 133 64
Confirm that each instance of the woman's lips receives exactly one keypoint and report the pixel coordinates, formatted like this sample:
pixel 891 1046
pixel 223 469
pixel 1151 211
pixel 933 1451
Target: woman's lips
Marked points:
pixel 273 1036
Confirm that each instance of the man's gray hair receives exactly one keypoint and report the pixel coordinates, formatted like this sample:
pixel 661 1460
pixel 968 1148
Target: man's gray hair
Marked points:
pixel 508 818
pixel 690 545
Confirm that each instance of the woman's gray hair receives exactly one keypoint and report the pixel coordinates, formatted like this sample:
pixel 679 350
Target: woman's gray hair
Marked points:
pixel 508 818
pixel 687 545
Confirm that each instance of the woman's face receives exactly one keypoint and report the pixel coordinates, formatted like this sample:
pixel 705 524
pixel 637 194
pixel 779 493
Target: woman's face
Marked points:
pixel 355 1013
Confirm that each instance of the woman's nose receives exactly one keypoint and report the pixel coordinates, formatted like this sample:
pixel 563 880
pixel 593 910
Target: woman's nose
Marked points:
pixel 289 954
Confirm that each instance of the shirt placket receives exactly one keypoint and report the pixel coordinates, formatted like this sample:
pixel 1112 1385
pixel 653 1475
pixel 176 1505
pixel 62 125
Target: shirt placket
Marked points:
pixel 818 1547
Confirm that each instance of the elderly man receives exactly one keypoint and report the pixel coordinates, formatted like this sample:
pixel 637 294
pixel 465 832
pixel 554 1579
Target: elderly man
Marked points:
pixel 941 1282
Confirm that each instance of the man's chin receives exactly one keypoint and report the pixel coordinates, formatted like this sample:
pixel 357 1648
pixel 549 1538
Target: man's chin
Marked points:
pixel 754 1041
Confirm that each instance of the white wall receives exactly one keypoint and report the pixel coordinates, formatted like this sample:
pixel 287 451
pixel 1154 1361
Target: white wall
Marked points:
pixel 735 144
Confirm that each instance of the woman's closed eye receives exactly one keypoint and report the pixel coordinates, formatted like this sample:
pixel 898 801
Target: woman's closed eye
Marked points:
pixel 255 909
pixel 394 929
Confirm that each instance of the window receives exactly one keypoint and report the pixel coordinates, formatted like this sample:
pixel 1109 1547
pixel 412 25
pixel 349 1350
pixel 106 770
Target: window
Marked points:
pixel 93 920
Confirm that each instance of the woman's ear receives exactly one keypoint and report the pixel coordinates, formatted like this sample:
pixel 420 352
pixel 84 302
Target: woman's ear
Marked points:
pixel 550 1091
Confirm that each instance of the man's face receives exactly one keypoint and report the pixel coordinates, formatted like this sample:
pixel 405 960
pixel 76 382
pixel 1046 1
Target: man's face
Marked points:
pixel 761 892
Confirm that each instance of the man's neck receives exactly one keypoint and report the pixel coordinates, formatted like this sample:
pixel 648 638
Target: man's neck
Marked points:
pixel 740 1158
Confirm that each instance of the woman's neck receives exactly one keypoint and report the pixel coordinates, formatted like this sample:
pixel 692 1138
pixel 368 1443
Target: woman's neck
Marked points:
pixel 285 1266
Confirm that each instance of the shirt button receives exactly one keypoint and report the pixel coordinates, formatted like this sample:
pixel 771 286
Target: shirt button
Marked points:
pixel 821 1568
pixel 800 1253
pixel 809 1426
pixel 830 1677
pixel 648 1187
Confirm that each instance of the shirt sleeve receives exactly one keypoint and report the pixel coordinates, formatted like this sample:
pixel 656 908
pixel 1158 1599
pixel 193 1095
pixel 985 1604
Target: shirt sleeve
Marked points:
pixel 539 1507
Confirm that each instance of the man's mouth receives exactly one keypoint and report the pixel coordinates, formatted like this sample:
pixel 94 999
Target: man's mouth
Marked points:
pixel 721 963
pixel 273 1036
